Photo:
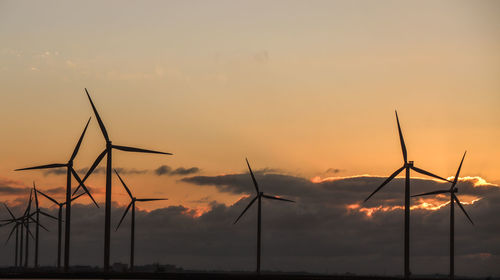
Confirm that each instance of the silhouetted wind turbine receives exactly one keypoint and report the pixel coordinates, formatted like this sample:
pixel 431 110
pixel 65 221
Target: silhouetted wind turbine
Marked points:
pixel 70 171
pixel 108 151
pixel 26 220
pixel 37 212
pixel 407 165
pixel 18 222
pixel 258 197
pixel 453 198
pixel 132 227
pixel 59 222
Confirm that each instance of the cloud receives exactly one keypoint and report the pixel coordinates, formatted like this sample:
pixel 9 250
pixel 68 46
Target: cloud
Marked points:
pixel 98 170
pixel 333 170
pixel 167 170
pixel 326 230
pixel 12 187
pixel 161 170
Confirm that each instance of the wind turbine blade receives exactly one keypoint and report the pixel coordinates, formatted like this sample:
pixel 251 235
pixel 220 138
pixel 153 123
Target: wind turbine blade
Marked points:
pixel 47 215
pixel 55 165
pixel 48 197
pixel 10 234
pixel 431 193
pixel 91 169
pixel 150 199
pixel 38 224
pixel 28 229
pixel 75 197
pixel 276 197
pixel 79 142
pixel 401 139
pixel 461 207
pixel 253 177
pixel 455 180
pixel 124 185
pixel 421 171
pixel 124 214
pixel 10 212
pixel 28 208
pixel 36 196
pixel 101 125
pixel 83 186
pixel 138 150
pixel 248 206
pixel 385 182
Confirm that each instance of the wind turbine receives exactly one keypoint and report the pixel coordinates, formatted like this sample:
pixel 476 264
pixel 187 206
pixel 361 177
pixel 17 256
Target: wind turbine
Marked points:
pixel 37 212
pixel 59 222
pixel 132 227
pixel 18 222
pixel 407 165
pixel 69 172
pixel 108 151
pixel 26 217
pixel 453 198
pixel 258 197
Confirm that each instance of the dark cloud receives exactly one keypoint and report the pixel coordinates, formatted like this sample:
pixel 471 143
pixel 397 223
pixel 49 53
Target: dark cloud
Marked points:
pixel 11 187
pixel 98 170
pixel 333 170
pixel 162 170
pixel 319 233
pixel 167 170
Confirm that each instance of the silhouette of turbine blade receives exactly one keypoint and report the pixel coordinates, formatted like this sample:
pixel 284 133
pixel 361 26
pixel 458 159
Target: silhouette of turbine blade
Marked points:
pixel 124 214
pixel 138 150
pixel 76 197
pixel 253 177
pixel 75 151
pixel 11 232
pixel 385 182
pixel 55 165
pixel 83 186
pixel 28 230
pixel 421 171
pixel 48 197
pixel 101 124
pixel 47 215
pixel 455 180
pixel 248 206
pixel 91 169
pixel 10 212
pixel 28 208
pixel 401 139
pixel 37 223
pixel 431 193
pixel 150 199
pixel 123 184
pixel 276 197
pixel 36 196
pixel 461 207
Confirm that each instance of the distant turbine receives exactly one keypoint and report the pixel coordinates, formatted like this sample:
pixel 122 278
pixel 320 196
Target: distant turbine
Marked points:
pixel 258 197
pixel 69 172
pixel 37 212
pixel 453 198
pixel 132 228
pixel 59 222
pixel 109 165
pixel 406 165
pixel 19 222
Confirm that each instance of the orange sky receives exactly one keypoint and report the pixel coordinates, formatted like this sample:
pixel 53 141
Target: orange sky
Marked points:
pixel 301 88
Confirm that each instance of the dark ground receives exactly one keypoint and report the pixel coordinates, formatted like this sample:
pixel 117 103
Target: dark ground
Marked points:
pixel 195 275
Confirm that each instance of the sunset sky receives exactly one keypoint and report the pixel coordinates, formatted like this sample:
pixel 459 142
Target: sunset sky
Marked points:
pixel 303 89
